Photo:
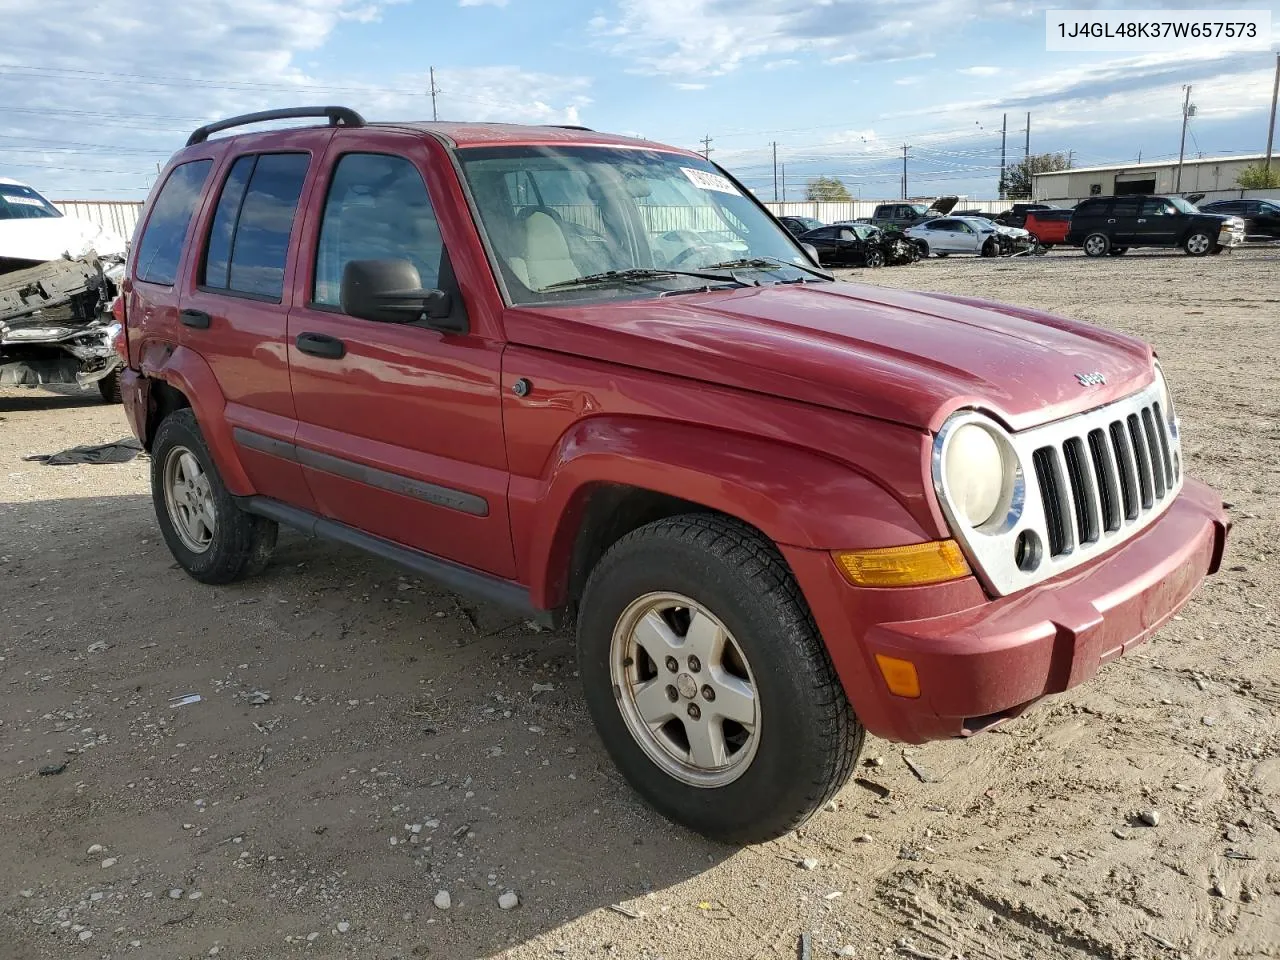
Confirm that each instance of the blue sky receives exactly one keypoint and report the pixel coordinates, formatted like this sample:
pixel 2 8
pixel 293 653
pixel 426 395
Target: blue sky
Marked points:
pixel 92 96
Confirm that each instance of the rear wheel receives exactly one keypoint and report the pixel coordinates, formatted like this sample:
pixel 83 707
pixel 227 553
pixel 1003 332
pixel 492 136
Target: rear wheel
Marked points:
pixel 709 683
pixel 210 537
pixel 1097 245
pixel 1198 244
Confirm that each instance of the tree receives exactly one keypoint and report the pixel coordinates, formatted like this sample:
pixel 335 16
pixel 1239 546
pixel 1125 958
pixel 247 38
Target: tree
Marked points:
pixel 827 189
pixel 1258 177
pixel 1017 178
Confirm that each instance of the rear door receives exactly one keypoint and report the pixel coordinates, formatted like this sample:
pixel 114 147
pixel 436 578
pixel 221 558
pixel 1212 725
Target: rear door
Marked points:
pixel 824 241
pixel 400 425
pixel 236 313
pixel 1122 222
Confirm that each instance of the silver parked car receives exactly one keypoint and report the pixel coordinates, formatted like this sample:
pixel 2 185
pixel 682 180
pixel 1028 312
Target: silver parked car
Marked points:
pixel 947 235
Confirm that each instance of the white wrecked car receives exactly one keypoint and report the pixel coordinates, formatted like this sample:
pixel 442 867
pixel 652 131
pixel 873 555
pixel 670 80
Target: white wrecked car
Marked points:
pixel 58 277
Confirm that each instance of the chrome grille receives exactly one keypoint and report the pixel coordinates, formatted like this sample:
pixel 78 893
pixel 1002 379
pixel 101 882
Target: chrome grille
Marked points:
pixel 1078 484
pixel 1082 486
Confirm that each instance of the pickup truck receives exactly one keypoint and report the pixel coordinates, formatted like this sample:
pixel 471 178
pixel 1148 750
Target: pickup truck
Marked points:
pixel 900 216
pixel 778 510
pixel 1048 226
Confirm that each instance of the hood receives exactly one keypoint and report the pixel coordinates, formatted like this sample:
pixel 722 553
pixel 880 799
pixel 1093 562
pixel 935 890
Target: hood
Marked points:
pixel 50 238
pixel 942 206
pixel 906 357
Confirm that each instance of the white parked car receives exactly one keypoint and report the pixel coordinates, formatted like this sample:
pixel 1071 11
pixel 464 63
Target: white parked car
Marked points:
pixel 32 228
pixel 973 235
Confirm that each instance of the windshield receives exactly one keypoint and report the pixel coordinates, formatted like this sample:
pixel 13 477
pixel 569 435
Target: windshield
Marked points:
pixel 18 202
pixel 556 214
pixel 1182 205
pixel 1268 208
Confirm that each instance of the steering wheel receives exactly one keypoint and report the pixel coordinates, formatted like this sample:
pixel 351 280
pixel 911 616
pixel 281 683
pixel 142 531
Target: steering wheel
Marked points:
pixel 696 245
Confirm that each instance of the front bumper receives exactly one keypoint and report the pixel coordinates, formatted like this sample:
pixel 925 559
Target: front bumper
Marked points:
pixel 1229 236
pixel 982 661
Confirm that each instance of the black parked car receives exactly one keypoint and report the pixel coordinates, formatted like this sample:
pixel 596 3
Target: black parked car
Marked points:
pixel 800 225
pixel 1016 216
pixel 1261 217
pixel 853 245
pixel 1103 225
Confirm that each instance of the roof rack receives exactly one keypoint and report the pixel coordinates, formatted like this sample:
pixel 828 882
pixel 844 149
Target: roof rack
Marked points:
pixel 338 117
pixel 569 126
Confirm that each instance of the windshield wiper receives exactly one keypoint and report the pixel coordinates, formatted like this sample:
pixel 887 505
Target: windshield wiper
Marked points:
pixel 765 263
pixel 640 275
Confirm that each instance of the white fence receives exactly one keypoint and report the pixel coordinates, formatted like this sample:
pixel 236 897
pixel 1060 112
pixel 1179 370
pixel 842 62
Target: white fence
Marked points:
pixel 118 215
pixel 855 209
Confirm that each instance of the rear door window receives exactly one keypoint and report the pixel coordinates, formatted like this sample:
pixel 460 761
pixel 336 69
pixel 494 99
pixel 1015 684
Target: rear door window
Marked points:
pixel 160 247
pixel 249 239
pixel 1125 207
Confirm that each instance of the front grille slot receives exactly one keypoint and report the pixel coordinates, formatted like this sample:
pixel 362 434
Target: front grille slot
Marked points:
pixel 1108 486
pixel 1143 458
pixel 1127 470
pixel 1057 511
pixel 1083 495
pixel 1162 427
pixel 1153 445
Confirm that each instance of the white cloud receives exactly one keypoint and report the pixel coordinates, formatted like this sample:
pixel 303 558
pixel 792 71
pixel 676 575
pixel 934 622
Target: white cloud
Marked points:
pixel 690 86
pixel 979 71
pixel 90 110
pixel 482 3
pixel 908 81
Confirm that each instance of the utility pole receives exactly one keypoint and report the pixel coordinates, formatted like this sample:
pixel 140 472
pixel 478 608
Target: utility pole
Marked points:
pixel 434 91
pixel 784 183
pixel 775 171
pixel 1026 153
pixel 905 148
pixel 706 147
pixel 1186 112
pixel 1271 127
pixel 1071 155
pixel 1004 134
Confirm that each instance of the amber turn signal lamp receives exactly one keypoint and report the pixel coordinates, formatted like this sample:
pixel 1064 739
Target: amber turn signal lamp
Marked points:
pixel 912 565
pixel 899 675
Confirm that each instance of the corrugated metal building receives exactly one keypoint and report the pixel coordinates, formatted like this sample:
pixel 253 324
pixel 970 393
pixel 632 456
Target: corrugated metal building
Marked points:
pixel 118 215
pixel 1213 176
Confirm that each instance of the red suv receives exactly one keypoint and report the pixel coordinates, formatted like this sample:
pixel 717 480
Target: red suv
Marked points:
pixel 591 378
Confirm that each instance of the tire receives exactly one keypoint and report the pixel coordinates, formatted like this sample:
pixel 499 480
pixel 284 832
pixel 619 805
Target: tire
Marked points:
pixel 991 249
pixel 109 388
pixel 940 256
pixel 1117 251
pixel 1198 244
pixel 923 247
pixel 183 474
pixel 803 739
pixel 1096 245
pixel 874 259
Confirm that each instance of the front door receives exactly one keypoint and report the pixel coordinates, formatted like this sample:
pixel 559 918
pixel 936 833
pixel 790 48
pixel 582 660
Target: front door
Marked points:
pixel 399 425
pixel 1159 223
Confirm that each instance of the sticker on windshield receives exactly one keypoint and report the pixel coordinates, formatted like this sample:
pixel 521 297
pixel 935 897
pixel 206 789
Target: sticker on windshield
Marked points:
pixel 710 181
pixel 23 201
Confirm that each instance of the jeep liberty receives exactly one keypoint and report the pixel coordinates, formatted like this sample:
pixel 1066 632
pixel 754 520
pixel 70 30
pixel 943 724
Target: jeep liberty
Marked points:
pixel 590 378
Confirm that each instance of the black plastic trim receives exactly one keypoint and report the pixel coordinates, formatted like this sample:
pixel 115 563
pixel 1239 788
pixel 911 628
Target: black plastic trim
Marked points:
pixel 337 116
pixel 465 580
pixel 432 493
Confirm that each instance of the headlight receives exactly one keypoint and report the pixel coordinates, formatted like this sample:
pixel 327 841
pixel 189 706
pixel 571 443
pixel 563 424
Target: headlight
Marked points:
pixel 974 471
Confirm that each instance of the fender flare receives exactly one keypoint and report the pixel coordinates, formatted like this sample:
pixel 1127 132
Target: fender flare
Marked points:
pixel 795 496
pixel 187 371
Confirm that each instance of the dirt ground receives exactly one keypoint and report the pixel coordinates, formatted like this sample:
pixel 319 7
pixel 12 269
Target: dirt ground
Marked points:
pixel 363 740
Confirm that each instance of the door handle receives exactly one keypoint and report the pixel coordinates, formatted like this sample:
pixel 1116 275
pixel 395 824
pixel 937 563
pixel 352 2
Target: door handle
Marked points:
pixel 321 345
pixel 1141 220
pixel 196 319
pixel 1112 220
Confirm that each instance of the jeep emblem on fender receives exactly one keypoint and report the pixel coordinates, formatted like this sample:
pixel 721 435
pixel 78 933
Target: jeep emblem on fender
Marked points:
pixel 1095 379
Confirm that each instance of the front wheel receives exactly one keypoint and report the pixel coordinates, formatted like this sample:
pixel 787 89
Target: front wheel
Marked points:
pixel 922 248
pixel 874 258
pixel 109 388
pixel 709 683
pixel 1198 244
pixel 210 537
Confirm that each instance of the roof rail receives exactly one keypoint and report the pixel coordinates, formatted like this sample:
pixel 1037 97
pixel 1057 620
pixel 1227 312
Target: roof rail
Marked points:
pixel 569 126
pixel 338 117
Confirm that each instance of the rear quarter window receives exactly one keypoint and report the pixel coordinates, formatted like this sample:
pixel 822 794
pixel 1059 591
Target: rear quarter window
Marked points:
pixel 160 246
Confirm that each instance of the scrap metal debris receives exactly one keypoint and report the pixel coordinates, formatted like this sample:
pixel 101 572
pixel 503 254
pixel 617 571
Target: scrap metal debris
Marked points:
pixel 923 775
pixel 118 451
pixel 879 790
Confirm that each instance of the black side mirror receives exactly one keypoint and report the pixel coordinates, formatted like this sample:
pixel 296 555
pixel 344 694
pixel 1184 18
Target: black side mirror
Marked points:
pixel 390 291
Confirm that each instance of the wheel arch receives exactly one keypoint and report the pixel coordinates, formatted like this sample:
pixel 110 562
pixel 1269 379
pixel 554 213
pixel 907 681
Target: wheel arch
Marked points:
pixel 614 475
